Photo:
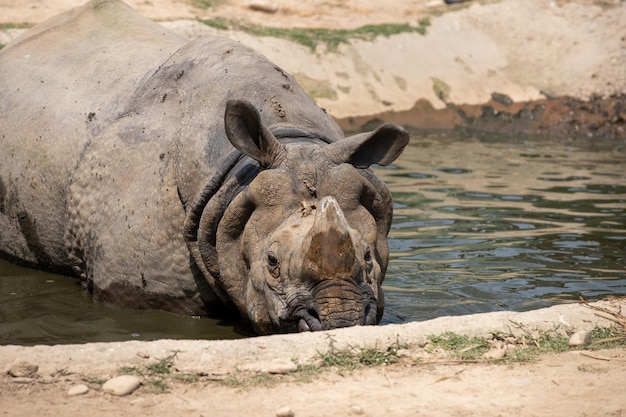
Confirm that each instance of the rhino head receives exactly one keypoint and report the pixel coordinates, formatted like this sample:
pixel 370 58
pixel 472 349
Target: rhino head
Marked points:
pixel 304 246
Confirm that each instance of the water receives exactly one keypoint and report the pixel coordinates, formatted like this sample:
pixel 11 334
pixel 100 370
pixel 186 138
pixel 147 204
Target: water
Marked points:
pixel 479 226
pixel 486 225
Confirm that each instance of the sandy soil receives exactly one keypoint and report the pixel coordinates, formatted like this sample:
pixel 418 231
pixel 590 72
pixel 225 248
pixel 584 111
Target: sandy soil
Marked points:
pixel 525 49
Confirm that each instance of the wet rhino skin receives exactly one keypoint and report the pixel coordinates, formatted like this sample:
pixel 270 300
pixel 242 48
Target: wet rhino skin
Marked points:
pixel 190 176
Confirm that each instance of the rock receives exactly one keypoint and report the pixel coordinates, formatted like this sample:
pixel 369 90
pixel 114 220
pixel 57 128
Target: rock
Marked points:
pixel 356 410
pixel 502 99
pixel 285 411
pixel 580 338
pixel 403 353
pixel 22 369
pixel 281 366
pixel 121 385
pixel 277 366
pixel 22 380
pixel 263 6
pixel 143 354
pixel 495 354
pixel 78 390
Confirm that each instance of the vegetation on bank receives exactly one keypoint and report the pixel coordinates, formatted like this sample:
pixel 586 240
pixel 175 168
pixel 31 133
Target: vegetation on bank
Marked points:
pixel 442 349
pixel 518 344
pixel 332 38
pixel 309 37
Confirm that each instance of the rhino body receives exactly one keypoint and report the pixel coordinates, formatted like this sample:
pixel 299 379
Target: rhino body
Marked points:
pixel 188 176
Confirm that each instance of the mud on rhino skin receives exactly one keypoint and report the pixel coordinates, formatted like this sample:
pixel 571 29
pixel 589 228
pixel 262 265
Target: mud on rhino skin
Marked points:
pixel 189 176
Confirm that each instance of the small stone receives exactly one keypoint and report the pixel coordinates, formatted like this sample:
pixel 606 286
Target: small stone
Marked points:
pixel 403 353
pixel 356 410
pixel 121 385
pixel 78 390
pixel 285 411
pixel 23 369
pixel 495 354
pixel 581 337
pixel 281 366
pixel 22 380
pixel 263 6
pixel 143 354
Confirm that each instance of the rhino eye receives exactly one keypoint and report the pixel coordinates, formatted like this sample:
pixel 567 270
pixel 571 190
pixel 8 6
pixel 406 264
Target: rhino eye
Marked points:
pixel 273 265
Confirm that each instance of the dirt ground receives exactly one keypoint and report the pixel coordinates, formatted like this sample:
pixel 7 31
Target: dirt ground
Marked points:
pixel 232 377
pixel 522 49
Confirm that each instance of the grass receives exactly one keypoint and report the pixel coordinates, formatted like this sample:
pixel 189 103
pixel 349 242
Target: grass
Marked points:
pixel 157 375
pixel 332 38
pixel 6 26
pixel 207 4
pixel 523 345
pixel 461 346
pixel 445 348
pixel 527 345
pixel 351 358
pixel 309 37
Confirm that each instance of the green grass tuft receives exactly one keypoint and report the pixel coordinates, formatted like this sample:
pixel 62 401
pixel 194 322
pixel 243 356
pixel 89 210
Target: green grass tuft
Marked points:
pixel 332 38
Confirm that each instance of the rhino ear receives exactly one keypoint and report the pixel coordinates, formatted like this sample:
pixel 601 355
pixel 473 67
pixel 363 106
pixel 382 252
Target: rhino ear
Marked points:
pixel 381 147
pixel 249 135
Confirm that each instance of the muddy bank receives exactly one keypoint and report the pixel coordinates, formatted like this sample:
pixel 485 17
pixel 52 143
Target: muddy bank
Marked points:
pixel 563 117
pixel 527 50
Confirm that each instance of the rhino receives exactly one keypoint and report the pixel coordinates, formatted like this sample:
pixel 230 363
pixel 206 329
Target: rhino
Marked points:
pixel 192 176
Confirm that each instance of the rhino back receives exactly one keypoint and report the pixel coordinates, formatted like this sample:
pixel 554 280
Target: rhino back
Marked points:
pixel 200 78
pixel 59 84
pixel 113 126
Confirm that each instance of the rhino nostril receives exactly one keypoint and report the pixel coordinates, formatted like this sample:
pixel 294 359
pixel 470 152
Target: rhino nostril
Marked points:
pixel 311 321
pixel 313 313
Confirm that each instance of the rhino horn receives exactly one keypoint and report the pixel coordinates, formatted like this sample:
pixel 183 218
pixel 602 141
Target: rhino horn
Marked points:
pixel 330 262
pixel 249 135
pixel 381 147
pixel 330 253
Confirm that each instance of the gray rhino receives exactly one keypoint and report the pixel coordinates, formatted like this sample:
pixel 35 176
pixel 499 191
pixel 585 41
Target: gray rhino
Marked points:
pixel 190 176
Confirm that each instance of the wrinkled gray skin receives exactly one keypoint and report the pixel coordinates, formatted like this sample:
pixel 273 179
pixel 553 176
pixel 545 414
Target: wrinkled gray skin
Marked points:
pixel 188 176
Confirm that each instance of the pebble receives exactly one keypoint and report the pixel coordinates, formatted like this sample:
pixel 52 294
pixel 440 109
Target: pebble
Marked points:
pixel 285 411
pixel 263 6
pixel 143 354
pixel 403 353
pixel 22 380
pixel 78 390
pixel 277 366
pixel 22 369
pixel 121 385
pixel 581 337
pixel 281 366
pixel 494 354
pixel 357 410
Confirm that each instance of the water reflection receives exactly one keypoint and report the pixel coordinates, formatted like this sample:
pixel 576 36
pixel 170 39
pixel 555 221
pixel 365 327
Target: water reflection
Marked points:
pixel 480 225
pixel 485 226
pixel 42 308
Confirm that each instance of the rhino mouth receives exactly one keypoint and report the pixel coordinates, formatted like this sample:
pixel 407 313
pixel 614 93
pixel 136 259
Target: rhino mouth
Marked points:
pixel 309 323
pixel 325 310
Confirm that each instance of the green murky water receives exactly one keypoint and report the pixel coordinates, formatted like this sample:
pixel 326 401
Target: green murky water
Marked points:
pixel 480 225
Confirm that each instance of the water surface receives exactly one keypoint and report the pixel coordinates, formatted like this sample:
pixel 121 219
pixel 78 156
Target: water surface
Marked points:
pixel 479 225
pixel 484 225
